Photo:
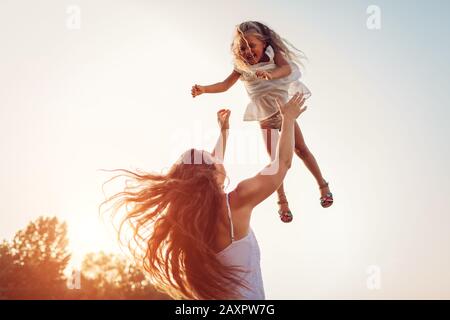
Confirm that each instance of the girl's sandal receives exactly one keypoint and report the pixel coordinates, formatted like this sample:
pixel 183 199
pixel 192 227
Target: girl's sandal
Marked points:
pixel 285 216
pixel 327 200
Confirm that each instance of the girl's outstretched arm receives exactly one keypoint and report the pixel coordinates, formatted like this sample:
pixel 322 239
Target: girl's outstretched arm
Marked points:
pixel 223 116
pixel 217 87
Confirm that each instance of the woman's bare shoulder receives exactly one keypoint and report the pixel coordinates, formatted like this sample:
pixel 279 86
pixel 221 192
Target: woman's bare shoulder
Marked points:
pixel 241 212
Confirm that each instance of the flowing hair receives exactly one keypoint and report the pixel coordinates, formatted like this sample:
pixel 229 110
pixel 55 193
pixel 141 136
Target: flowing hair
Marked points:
pixel 174 220
pixel 266 34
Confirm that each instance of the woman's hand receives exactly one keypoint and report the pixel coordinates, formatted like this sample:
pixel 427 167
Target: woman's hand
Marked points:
pixel 223 116
pixel 294 107
pixel 261 74
pixel 197 90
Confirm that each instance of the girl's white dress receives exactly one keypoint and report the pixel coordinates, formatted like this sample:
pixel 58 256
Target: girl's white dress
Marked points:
pixel 263 93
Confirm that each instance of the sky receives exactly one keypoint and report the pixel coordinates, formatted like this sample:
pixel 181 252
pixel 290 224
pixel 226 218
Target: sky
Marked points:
pixel 114 92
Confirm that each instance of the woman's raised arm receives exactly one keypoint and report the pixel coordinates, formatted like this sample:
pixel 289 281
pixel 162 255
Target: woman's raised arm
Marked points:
pixel 223 117
pixel 252 191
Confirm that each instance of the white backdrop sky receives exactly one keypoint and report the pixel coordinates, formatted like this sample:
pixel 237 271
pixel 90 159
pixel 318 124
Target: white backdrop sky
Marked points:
pixel 116 94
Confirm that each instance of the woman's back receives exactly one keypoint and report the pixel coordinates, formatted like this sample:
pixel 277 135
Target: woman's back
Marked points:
pixel 243 251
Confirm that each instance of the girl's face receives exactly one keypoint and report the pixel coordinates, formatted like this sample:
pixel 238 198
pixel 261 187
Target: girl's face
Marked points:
pixel 252 51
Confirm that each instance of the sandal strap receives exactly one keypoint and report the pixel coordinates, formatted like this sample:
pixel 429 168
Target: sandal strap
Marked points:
pixel 285 213
pixel 329 195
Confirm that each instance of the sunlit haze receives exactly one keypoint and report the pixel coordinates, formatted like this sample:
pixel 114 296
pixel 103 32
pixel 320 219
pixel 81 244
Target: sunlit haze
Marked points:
pixel 116 94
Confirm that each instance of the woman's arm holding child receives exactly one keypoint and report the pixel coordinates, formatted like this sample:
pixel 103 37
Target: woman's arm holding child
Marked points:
pixel 253 191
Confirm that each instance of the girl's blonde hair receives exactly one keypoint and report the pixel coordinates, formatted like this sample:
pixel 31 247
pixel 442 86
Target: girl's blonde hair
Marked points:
pixel 266 34
pixel 174 220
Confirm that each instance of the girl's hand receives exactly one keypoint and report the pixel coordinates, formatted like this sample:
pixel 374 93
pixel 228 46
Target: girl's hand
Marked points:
pixel 294 107
pixel 261 74
pixel 223 116
pixel 197 90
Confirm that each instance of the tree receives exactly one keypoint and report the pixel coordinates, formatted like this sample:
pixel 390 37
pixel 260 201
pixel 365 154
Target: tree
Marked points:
pixel 33 264
pixel 111 276
pixel 7 270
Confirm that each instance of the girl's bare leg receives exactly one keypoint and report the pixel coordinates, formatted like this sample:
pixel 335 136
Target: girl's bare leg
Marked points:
pixel 310 162
pixel 271 137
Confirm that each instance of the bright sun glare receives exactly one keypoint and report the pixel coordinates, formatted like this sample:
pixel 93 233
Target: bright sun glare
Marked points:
pixel 90 235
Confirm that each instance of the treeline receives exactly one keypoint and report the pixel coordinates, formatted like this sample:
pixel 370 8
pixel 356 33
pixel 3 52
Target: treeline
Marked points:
pixel 33 265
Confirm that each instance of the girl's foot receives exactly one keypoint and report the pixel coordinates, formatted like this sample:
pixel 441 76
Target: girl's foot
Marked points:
pixel 326 198
pixel 284 212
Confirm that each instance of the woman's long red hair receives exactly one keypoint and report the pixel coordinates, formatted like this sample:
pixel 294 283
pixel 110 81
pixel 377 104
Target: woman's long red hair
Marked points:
pixel 174 219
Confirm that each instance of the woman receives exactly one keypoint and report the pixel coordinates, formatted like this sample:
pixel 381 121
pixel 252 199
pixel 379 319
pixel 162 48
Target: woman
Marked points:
pixel 193 239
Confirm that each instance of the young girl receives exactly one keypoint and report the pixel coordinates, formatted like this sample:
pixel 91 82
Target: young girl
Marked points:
pixel 263 61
